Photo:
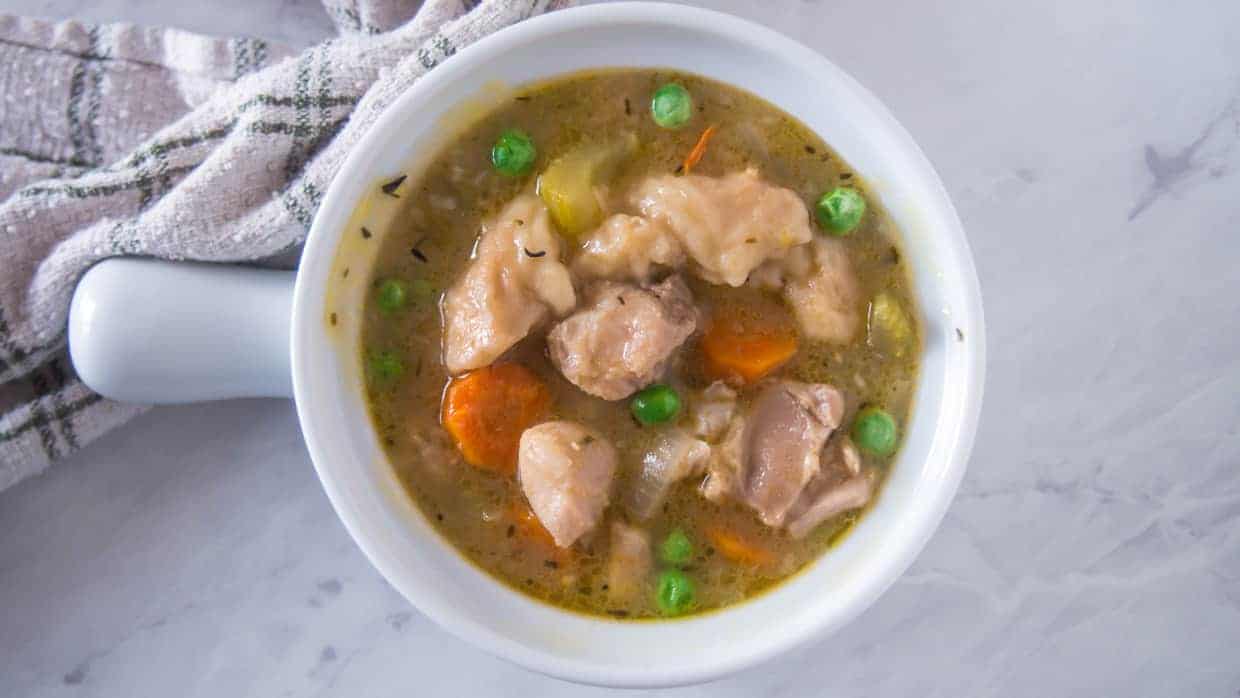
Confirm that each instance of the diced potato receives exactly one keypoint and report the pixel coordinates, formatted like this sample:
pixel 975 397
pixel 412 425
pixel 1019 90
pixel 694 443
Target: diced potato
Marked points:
pixel 567 185
pixel 890 328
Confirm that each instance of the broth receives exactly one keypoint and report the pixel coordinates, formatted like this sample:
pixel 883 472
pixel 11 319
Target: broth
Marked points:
pixel 430 245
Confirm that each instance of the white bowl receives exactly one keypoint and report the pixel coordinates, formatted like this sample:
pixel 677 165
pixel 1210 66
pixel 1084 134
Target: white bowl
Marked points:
pixel 150 331
pixel 834 589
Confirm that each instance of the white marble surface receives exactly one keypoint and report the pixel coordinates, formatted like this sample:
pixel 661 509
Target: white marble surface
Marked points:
pixel 1092 148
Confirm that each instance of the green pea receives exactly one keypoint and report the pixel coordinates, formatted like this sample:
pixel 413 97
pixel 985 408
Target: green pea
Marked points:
pixel 392 296
pixel 840 210
pixel 385 366
pixel 513 153
pixel 677 549
pixel 675 593
pixel 655 405
pixel 671 106
pixel 875 431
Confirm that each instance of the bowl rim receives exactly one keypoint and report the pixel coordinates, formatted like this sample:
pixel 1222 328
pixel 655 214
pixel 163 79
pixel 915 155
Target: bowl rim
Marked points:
pixel 321 245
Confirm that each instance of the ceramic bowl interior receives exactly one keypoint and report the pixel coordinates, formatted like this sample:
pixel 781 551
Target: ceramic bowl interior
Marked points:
pixel 843 582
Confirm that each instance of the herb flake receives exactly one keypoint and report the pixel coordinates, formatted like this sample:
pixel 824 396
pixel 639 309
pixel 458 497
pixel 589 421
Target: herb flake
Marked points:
pixel 416 250
pixel 391 187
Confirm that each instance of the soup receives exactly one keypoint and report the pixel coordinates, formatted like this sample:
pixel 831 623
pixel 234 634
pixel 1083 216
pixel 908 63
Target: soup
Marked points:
pixel 638 344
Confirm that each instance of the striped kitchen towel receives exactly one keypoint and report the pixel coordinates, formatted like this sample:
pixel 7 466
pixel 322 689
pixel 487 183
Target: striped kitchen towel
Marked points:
pixel 119 140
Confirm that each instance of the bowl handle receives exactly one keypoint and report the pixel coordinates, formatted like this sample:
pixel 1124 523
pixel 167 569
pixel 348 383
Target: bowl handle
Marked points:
pixel 143 330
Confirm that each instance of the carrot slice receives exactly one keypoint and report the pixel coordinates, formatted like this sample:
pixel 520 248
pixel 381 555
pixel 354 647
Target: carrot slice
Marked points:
pixel 485 411
pixel 737 549
pixel 747 346
pixel 526 524
pixel 699 149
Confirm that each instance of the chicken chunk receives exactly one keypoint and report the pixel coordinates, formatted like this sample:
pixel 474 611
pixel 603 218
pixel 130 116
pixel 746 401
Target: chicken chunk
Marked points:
pixel 853 493
pixel 674 456
pixel 723 227
pixel 770 453
pixel 820 287
pixel 628 247
pixel 621 339
pixel 727 225
pixel 712 411
pixel 438 456
pixel 628 563
pixel 515 282
pixel 839 487
pixel 566 473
